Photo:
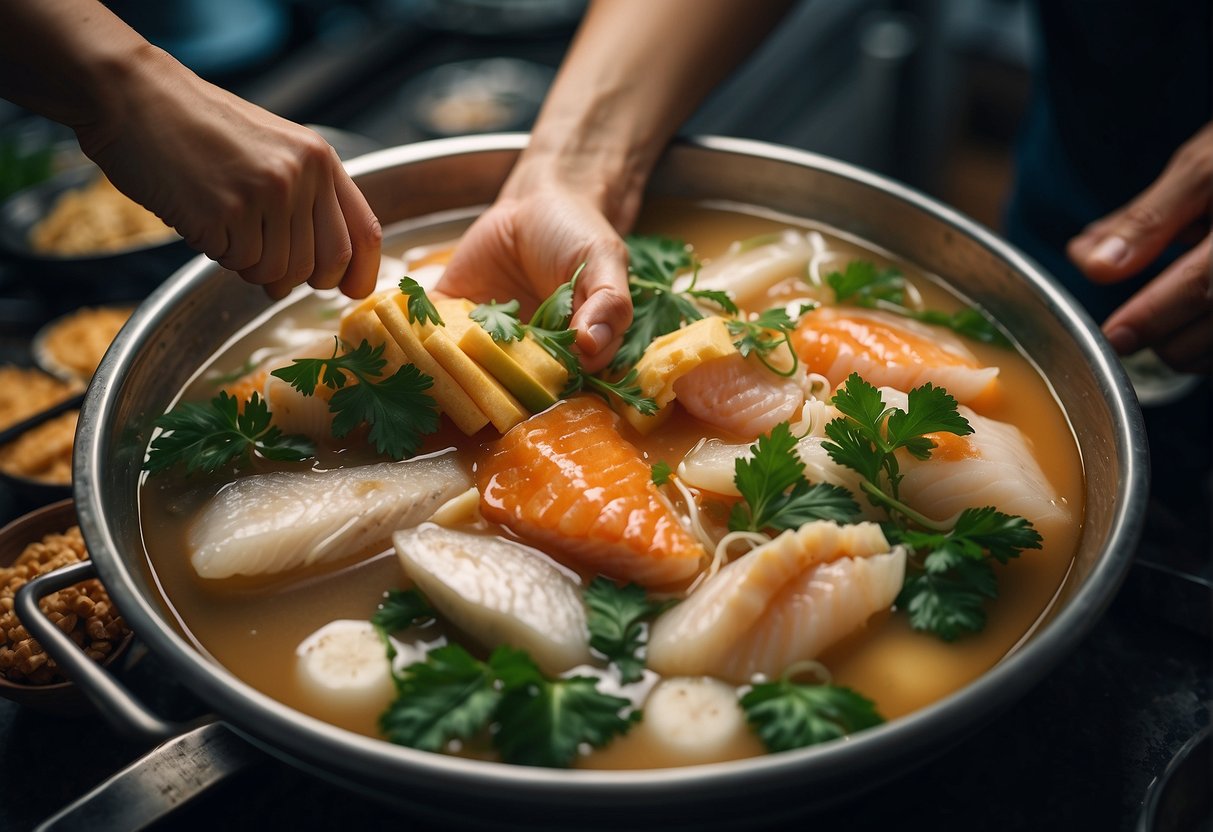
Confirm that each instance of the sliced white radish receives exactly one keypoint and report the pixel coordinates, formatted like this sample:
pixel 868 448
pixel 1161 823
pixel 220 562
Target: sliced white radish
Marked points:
pixel 695 719
pixel 344 666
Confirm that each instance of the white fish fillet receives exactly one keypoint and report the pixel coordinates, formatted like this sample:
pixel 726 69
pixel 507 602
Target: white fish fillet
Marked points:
pixel 739 395
pixel 499 592
pixel 284 520
pixel 1000 470
pixel 771 607
pixel 747 275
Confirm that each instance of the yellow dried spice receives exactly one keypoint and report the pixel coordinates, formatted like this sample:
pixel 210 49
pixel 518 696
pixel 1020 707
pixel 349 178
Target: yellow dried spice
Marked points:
pixel 96 219
pixel 43 453
pixel 24 392
pixel 83 611
pixel 77 341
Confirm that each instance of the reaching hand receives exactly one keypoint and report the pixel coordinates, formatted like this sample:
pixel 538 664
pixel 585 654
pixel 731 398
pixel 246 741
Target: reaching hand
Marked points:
pixel 530 241
pixel 1173 313
pixel 262 196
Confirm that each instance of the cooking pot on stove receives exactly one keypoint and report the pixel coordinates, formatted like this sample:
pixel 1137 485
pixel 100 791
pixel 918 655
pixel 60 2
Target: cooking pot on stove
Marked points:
pixel 197 310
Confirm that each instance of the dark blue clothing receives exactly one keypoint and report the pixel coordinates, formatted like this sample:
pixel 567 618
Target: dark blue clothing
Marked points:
pixel 1118 86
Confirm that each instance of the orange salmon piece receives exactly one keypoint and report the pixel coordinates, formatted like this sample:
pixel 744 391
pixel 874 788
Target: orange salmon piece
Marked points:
pixel 890 351
pixel 566 481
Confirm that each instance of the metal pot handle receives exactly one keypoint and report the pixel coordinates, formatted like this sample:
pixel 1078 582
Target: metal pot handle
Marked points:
pixel 127 715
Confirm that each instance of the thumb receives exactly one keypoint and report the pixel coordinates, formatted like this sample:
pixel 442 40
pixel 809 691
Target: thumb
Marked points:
pixel 603 304
pixel 1125 242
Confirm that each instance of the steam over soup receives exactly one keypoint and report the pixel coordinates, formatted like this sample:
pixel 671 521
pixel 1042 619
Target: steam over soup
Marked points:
pixel 815 491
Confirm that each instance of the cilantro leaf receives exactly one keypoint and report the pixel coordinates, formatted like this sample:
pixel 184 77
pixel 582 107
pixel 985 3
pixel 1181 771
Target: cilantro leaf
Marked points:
pixel 775 493
pixel 617 616
pixel 543 722
pixel 397 409
pixel 209 436
pixel 860 401
pixel 657 258
pixel 786 715
pixel 499 320
pixel 420 308
pixel 450 695
pixel 862 284
pixel 400 610
pixel 626 389
pixel 929 409
pixel 948 598
pixel 556 311
pixel 1004 536
pixel 763 335
pixel 661 472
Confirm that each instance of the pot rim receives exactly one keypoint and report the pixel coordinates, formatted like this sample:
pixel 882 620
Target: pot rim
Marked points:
pixel 302 738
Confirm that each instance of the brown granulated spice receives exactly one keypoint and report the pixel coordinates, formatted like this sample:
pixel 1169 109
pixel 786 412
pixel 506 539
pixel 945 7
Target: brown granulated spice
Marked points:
pixel 83 611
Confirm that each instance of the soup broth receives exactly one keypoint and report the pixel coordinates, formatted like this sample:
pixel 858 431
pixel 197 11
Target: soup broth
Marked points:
pixel 253 625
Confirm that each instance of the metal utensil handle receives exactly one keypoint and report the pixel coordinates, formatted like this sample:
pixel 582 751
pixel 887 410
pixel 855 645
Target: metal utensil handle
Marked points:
pixel 158 782
pixel 128 716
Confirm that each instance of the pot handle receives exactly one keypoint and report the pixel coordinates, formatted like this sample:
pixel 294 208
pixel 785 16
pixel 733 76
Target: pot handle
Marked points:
pixel 127 715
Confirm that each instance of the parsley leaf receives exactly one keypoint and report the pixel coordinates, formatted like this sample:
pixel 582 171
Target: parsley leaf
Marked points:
pixel 657 308
pixel 929 409
pixel 661 472
pixel 786 715
pixel 400 610
pixel 543 722
pixel 775 493
pixel 949 600
pixel 450 695
pixel 420 307
pixel 499 320
pixel 397 408
pixel 755 337
pixel 209 436
pixel 862 284
pixel 617 616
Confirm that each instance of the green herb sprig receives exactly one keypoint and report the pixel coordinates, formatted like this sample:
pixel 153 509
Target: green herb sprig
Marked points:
pixel 617 620
pixel 787 715
pixel 862 284
pixel 419 307
pixel 775 493
pixel 397 408
pixel 207 437
pixel 657 307
pixel 769 331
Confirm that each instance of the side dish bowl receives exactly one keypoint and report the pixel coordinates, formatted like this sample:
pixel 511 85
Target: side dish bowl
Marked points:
pixel 202 306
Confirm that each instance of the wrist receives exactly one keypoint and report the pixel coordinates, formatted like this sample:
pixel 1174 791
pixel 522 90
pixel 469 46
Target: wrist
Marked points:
pixel 126 85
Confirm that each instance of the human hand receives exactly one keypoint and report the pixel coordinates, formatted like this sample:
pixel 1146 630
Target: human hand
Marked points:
pixel 262 196
pixel 1173 313
pixel 532 239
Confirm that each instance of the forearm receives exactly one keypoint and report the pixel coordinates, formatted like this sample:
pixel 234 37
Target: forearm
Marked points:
pixel 68 59
pixel 636 70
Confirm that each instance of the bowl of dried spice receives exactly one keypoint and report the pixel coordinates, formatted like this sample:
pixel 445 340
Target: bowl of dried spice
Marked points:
pixel 32 545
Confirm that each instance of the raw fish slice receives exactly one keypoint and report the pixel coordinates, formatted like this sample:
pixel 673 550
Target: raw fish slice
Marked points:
pixel 709 631
pixel 993 466
pixel 499 592
pixel 294 412
pixel 285 520
pixel 739 395
pixel 566 481
pixel 818 609
pixel 748 275
pixel 887 349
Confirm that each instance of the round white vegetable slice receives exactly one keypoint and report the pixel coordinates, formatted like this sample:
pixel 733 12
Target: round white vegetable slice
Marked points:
pixel 344 667
pixel 695 719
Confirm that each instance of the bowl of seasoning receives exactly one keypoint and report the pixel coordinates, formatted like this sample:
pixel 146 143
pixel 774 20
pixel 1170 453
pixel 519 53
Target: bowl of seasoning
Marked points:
pixel 36 544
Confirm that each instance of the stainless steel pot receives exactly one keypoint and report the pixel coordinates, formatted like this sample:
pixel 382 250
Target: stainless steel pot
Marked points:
pixel 200 307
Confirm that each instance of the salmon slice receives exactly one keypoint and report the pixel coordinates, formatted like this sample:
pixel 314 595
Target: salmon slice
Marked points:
pixel 888 350
pixel 784 602
pixel 566 481
pixel 739 395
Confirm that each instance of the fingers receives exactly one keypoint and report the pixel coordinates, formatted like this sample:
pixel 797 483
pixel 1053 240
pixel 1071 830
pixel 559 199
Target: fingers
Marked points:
pixel 333 248
pixel 1166 308
pixel 1190 350
pixel 603 304
pixel 365 236
pixel 1121 244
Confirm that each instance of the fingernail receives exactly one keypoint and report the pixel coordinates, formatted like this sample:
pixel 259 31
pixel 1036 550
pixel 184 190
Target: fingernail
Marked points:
pixel 1123 340
pixel 1112 251
pixel 600 335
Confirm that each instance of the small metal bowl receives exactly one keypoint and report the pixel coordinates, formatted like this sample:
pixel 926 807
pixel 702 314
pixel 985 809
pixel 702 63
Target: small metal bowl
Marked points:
pixel 61 697
pixel 106 275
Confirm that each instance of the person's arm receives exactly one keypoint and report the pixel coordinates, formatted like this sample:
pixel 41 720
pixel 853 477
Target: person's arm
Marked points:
pixel 261 195
pixel 635 71
pixel 1173 313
